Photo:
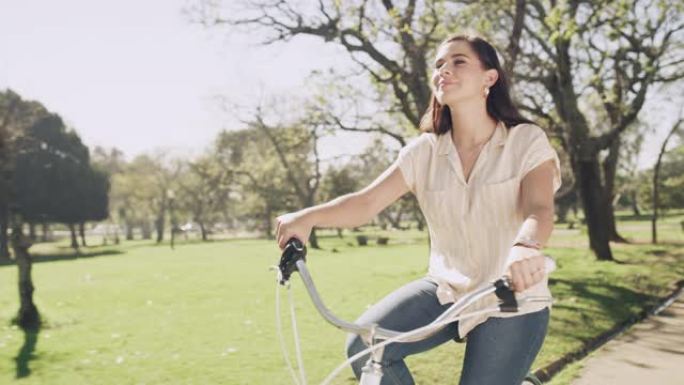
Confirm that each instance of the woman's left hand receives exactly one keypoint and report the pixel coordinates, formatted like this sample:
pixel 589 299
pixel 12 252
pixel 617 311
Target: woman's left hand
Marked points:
pixel 528 270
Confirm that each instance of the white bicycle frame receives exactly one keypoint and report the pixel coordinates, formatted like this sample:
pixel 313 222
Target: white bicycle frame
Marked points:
pixel 377 337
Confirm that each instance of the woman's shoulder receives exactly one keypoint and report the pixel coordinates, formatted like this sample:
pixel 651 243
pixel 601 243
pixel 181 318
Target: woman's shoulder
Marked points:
pixel 422 139
pixel 423 143
pixel 525 132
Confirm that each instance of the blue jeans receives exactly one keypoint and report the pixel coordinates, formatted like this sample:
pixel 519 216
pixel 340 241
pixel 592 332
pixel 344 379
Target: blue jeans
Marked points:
pixel 499 351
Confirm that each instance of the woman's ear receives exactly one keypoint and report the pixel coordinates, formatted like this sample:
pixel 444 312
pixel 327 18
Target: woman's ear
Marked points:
pixel 491 76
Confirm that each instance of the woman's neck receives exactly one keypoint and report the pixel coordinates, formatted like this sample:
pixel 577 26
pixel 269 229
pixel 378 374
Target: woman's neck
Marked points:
pixel 471 128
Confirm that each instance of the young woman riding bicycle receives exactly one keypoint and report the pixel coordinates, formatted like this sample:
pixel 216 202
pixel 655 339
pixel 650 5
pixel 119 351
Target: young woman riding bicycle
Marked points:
pixel 484 178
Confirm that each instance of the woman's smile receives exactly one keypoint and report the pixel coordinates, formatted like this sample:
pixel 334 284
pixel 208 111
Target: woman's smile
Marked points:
pixel 443 83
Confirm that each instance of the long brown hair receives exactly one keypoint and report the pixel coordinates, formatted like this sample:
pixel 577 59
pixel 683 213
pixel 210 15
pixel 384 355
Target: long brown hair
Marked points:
pixel 437 118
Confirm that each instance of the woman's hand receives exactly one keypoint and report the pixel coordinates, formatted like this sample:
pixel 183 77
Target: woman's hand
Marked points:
pixel 290 225
pixel 528 269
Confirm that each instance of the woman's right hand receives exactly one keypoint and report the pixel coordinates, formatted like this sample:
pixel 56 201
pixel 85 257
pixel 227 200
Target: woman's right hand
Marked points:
pixel 290 225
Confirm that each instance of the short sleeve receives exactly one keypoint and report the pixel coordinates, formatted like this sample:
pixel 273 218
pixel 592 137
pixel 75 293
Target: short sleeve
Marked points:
pixel 406 166
pixel 407 158
pixel 537 151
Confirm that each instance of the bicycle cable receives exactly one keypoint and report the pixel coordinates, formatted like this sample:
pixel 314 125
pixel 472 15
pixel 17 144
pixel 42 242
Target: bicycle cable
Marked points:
pixel 281 338
pixel 295 332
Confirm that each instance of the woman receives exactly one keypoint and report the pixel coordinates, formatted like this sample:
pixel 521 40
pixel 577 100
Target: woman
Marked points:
pixel 484 178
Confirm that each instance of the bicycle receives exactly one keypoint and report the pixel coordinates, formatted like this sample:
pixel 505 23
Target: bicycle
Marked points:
pixel 294 259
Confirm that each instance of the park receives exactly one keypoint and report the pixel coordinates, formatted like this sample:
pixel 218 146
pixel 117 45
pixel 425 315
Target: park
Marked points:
pixel 136 250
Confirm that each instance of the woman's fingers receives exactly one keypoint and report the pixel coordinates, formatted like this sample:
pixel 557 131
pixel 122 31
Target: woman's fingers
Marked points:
pixel 516 276
pixel 291 225
pixel 527 272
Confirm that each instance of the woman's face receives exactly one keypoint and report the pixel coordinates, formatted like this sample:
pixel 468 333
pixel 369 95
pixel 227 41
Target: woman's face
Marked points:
pixel 459 74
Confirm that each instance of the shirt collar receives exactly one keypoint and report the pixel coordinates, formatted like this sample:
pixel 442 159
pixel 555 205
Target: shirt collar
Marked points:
pixel 445 145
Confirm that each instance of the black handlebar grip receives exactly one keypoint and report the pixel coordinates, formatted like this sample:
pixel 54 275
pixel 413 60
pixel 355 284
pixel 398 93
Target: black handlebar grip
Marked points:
pixel 509 304
pixel 294 250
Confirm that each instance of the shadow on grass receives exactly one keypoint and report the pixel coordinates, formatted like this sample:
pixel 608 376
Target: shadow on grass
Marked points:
pixel 25 354
pixel 66 256
pixel 663 243
pixel 646 216
pixel 616 303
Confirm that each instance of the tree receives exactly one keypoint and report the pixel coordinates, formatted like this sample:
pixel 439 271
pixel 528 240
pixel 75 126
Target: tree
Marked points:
pixel 141 192
pixel 627 177
pixel 671 191
pixel 613 52
pixel 62 161
pixel 296 149
pixel 275 164
pixel 339 181
pixel 140 195
pixel 259 179
pixel 15 116
pixel 205 188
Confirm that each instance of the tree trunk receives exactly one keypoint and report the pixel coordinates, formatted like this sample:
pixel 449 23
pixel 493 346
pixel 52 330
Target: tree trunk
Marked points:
pixel 129 230
pixel 28 317
pixel 123 217
pixel 417 213
pixel 635 204
pixel 203 230
pixel 81 231
pixel 421 224
pixel 45 233
pixel 32 232
pixel 267 222
pixel 4 227
pixel 394 221
pixel 313 240
pixel 74 240
pixel 159 226
pixel 594 203
pixel 173 236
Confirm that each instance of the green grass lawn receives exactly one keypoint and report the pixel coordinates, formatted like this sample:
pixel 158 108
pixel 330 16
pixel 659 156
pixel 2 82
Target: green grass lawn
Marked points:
pixel 204 312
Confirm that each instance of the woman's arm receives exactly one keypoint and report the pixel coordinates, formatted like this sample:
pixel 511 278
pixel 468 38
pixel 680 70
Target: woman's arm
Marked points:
pixel 527 262
pixel 359 208
pixel 350 210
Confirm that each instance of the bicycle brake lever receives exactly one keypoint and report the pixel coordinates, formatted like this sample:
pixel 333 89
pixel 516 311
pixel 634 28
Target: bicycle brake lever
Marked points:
pixel 294 250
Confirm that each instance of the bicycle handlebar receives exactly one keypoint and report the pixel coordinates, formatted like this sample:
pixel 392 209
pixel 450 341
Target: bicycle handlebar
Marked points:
pixel 294 259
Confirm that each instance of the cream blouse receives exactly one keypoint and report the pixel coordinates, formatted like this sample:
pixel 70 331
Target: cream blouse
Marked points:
pixel 472 225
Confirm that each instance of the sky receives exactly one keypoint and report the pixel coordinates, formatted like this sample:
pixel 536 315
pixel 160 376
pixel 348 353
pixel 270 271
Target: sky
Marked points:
pixel 139 76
